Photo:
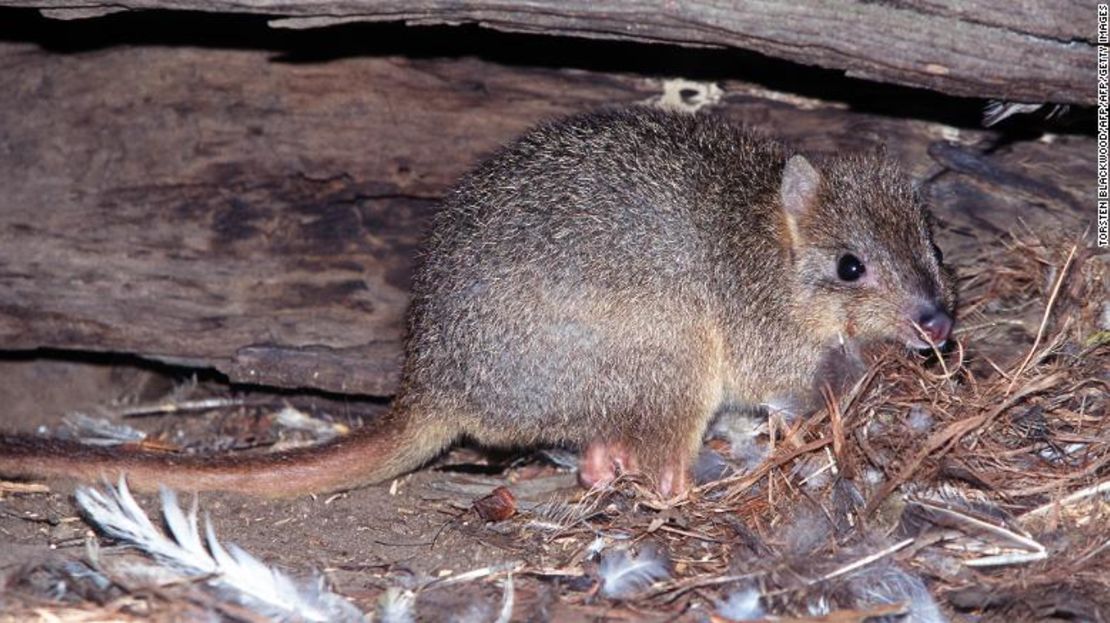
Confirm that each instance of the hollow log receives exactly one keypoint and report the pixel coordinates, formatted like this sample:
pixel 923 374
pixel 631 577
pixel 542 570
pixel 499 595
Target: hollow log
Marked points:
pixel 1018 51
pixel 222 208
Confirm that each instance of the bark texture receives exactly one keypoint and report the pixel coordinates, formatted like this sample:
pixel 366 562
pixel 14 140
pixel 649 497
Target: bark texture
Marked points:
pixel 1025 50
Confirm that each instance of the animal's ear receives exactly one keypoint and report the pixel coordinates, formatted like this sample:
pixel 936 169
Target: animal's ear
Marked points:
pixel 798 193
pixel 800 182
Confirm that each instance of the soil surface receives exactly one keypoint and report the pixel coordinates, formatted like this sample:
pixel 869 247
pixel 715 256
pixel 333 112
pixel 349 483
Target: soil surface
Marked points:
pixel 417 527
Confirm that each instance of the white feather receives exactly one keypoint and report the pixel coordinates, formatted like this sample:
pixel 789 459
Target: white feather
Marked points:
pixel 887 584
pixel 508 599
pixel 98 431
pixel 997 110
pixel 558 515
pixel 182 529
pixel 813 471
pixel 236 576
pixel 595 546
pixel 807 531
pixel 750 454
pixel 873 476
pixel 623 574
pixel 396 605
pixel 919 419
pixel 219 554
pixel 741 605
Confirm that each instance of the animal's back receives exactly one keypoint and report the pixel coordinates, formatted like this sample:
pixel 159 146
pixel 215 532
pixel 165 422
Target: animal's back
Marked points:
pixel 610 198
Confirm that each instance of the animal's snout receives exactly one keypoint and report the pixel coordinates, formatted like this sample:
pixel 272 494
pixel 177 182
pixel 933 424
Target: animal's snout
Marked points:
pixel 935 323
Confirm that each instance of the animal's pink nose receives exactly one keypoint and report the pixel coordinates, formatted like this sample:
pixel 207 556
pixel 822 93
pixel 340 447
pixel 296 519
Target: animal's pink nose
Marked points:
pixel 936 324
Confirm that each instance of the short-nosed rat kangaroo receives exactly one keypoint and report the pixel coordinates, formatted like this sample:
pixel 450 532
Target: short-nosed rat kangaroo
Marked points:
pixel 608 282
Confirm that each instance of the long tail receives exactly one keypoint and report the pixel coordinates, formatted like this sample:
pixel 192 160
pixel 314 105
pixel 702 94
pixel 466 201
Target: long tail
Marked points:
pixel 371 454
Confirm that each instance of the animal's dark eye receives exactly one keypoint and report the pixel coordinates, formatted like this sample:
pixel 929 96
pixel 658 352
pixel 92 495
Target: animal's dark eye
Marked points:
pixel 937 253
pixel 849 268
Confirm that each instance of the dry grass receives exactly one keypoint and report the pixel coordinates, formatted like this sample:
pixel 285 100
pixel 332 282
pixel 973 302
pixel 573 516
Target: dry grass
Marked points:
pixel 984 471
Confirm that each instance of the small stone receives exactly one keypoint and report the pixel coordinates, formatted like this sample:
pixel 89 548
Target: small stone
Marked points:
pixel 497 506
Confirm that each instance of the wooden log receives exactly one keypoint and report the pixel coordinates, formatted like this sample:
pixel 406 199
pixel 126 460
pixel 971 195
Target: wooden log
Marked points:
pixel 211 208
pixel 214 208
pixel 1020 51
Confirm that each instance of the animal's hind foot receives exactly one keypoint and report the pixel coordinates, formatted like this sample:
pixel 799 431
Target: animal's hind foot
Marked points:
pixel 603 461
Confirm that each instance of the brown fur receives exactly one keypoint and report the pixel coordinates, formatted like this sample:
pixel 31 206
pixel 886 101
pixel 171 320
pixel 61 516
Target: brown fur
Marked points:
pixel 608 279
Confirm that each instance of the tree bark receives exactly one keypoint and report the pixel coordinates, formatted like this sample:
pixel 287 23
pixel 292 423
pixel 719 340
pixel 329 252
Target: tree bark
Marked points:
pixel 1025 51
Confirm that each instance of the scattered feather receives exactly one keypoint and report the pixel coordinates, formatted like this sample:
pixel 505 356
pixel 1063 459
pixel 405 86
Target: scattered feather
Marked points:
pixel 624 574
pixel 1066 454
pixel 737 426
pixel 98 431
pixel 63 580
pixel 742 604
pixel 396 605
pixel 232 572
pixel 556 515
pixel 998 110
pixel 1002 540
pixel 873 476
pixel 595 547
pixel 508 600
pixel 561 458
pixel 788 409
pixel 818 606
pixel 808 532
pixel 959 498
pixel 887 584
pixel 751 454
pixel 710 467
pixel 814 471
pixel 743 430
pixel 295 419
pixel 476 574
pixel 919 419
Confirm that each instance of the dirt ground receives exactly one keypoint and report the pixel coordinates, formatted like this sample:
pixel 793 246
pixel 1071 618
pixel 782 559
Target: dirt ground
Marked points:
pixel 416 526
